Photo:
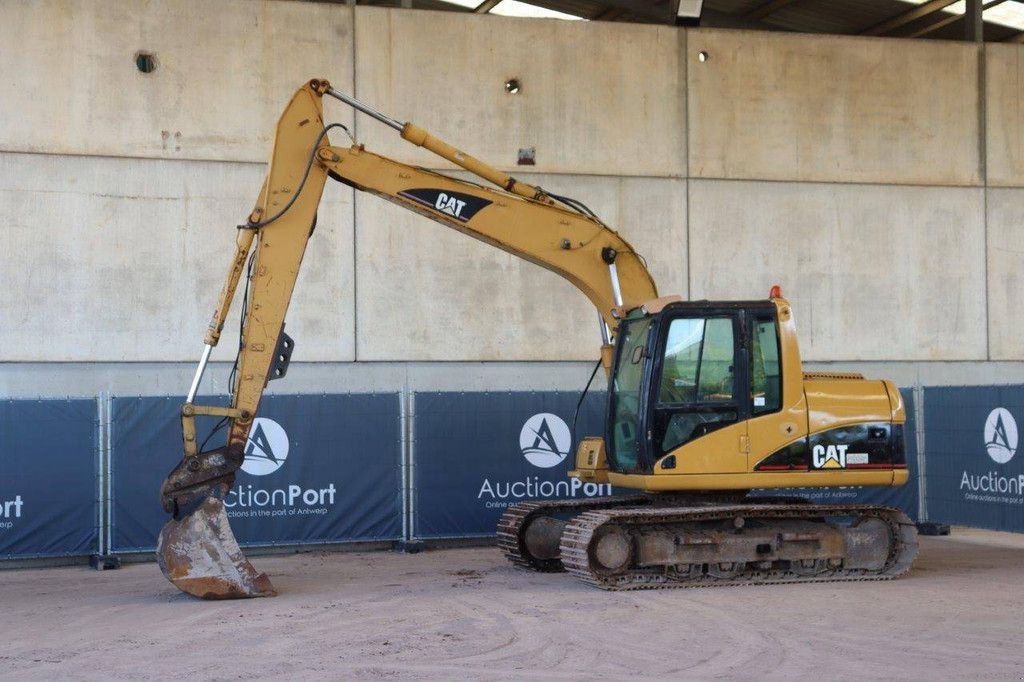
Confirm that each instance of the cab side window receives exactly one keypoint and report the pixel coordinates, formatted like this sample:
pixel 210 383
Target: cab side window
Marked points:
pixel 698 361
pixel 698 381
pixel 765 368
pixel 717 381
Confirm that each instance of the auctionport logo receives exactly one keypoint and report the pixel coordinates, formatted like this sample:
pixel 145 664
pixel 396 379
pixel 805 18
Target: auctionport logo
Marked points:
pixel 1001 440
pixel 265 452
pixel 545 440
pixel 267 447
pixel 1001 435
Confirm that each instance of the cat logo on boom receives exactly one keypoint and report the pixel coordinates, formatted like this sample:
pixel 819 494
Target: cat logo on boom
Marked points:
pixel 829 457
pixel 460 206
pixel 449 205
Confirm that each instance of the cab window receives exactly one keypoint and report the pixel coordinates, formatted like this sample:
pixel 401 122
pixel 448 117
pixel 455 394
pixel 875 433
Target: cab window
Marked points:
pixel 765 374
pixel 698 362
pixel 698 381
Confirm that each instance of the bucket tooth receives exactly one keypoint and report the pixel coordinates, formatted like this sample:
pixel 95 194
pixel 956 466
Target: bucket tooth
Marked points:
pixel 199 554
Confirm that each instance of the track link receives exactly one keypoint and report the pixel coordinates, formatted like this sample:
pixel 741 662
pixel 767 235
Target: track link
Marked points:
pixel 517 517
pixel 577 545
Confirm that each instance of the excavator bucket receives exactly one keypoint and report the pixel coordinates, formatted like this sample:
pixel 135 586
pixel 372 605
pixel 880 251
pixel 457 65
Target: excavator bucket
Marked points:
pixel 197 550
pixel 199 554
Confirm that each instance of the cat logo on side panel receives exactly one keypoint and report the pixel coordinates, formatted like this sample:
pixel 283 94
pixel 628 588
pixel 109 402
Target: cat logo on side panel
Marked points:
pixel 829 457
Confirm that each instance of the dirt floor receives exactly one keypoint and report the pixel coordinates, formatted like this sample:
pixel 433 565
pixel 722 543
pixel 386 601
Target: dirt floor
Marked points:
pixel 465 614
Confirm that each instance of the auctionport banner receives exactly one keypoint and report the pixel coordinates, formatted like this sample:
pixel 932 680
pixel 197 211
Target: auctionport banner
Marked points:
pixel 974 474
pixel 474 454
pixel 48 478
pixel 318 468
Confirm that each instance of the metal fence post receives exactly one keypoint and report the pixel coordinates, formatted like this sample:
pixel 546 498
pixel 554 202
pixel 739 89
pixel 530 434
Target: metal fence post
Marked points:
pixel 103 559
pixel 101 474
pixel 922 488
pixel 409 541
pixel 403 456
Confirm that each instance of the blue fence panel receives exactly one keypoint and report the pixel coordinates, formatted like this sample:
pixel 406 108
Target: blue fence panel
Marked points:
pixel 48 478
pixel 318 469
pixel 974 475
pixel 476 453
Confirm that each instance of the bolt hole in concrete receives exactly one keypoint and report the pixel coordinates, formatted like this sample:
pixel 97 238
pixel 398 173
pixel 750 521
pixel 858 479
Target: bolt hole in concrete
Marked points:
pixel 145 62
pixel 513 86
pixel 702 56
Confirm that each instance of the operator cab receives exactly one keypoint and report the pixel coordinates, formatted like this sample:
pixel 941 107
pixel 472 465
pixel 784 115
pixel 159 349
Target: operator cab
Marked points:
pixel 687 370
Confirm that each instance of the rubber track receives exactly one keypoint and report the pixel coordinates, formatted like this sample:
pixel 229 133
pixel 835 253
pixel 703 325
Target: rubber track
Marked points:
pixel 579 533
pixel 515 519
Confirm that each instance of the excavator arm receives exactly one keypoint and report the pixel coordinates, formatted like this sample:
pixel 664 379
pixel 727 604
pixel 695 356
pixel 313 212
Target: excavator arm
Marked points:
pixel 197 550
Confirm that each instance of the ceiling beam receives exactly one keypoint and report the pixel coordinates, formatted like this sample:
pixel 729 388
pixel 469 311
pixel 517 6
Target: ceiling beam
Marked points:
pixel 946 21
pixel 974 30
pixel 608 14
pixel 654 10
pixel 711 18
pixel 907 17
pixel 770 7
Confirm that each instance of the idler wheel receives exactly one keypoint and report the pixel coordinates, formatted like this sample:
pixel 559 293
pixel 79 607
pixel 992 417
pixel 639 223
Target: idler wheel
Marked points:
pixel 542 537
pixel 612 551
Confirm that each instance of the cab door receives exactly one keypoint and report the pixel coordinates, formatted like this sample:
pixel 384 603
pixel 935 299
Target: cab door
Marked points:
pixel 778 408
pixel 699 377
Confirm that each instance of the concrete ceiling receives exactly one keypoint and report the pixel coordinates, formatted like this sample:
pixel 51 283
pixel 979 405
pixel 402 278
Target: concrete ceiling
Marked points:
pixel 1003 20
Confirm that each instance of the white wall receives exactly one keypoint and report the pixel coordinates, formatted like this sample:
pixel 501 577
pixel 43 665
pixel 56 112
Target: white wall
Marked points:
pixel 435 294
pixel 860 289
pixel 1004 75
pixel 121 259
pixel 1005 212
pixel 776 106
pixel 596 98
pixel 225 70
pixel 847 169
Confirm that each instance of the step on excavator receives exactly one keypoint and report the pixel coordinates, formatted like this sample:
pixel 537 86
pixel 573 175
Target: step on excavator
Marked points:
pixel 707 400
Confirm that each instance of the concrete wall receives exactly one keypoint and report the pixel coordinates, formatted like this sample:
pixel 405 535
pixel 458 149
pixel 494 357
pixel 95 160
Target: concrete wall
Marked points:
pixel 860 289
pixel 772 106
pixel 431 294
pixel 596 98
pixel 1004 77
pixel 224 73
pixel 870 177
pixel 121 259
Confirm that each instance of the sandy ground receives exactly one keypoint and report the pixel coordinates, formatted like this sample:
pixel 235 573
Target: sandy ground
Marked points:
pixel 465 614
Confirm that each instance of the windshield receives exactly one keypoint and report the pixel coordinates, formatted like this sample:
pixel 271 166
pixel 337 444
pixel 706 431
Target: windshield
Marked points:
pixel 624 450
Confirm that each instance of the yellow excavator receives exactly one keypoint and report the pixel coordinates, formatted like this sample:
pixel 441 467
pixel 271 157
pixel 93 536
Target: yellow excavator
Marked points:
pixel 707 400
